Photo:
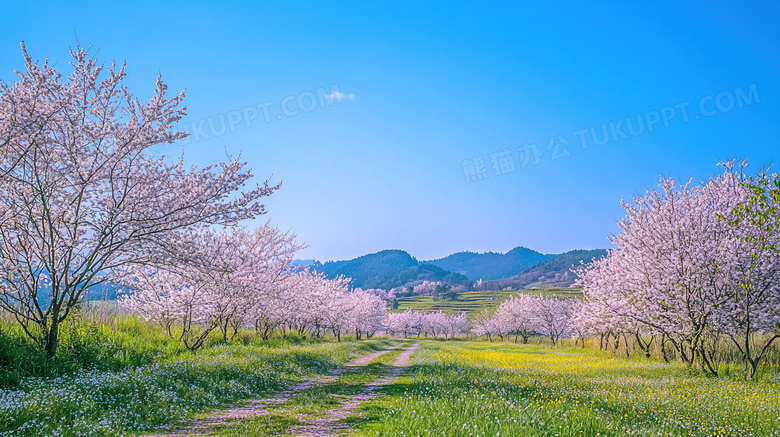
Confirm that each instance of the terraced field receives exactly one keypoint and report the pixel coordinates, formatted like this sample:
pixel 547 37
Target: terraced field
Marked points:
pixel 475 301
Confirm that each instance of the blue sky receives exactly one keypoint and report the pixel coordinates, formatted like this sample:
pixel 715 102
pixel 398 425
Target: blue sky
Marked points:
pixel 427 88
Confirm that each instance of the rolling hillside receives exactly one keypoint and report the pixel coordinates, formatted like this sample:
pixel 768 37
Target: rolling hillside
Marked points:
pixel 552 273
pixel 517 269
pixel 491 265
pixel 388 269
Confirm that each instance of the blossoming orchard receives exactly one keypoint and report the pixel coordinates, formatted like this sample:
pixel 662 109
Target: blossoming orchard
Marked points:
pixel 217 325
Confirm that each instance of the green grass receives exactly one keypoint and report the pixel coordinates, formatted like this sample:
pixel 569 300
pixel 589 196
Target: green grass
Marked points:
pixel 110 343
pixel 311 403
pixel 472 302
pixel 454 388
pixel 118 375
pixel 122 343
pixel 484 389
pixel 273 424
pixel 103 403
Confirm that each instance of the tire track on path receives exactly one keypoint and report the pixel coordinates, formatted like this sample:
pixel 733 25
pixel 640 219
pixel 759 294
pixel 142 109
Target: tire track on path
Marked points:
pixel 259 407
pixel 333 423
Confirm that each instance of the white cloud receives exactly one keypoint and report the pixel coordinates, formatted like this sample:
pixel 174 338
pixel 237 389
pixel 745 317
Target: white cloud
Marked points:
pixel 339 96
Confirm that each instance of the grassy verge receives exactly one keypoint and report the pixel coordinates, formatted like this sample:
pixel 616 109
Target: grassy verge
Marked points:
pixel 482 389
pixel 110 344
pixel 125 342
pixel 107 403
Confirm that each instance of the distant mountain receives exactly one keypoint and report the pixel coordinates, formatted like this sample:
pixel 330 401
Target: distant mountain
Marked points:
pixel 388 269
pixel 108 291
pixel 304 262
pixel 491 265
pixel 554 272
pixel 519 268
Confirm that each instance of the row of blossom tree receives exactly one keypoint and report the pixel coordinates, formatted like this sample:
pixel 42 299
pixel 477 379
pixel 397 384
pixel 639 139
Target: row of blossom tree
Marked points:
pixel 525 315
pixel 416 324
pixel 694 265
pixel 84 201
pixel 241 278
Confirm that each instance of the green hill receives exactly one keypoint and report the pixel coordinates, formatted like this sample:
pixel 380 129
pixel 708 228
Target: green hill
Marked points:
pixel 555 272
pixel 490 265
pixel 517 269
pixel 389 269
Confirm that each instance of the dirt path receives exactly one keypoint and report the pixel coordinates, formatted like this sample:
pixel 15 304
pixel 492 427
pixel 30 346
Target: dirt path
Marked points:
pixel 258 407
pixel 332 424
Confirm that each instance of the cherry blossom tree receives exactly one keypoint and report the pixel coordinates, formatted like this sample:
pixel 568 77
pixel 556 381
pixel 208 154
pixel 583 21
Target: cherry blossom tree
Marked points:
pixel 456 325
pixel 665 273
pixel 526 315
pixel 245 266
pixel 302 303
pixel 405 323
pixel 484 324
pixel 228 273
pixel 335 305
pixel 82 195
pixel 426 287
pixel 518 315
pixel 751 317
pixel 553 316
pixel 609 313
pixel 435 324
pixel 165 298
pixel 394 323
pixel 368 312
pixel 173 299
pixel 385 295
pixel 693 267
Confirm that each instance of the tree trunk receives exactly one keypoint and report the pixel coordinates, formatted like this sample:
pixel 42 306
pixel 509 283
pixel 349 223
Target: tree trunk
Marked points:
pixel 628 347
pixel 751 369
pixel 51 337
pixel 663 348
pixel 224 328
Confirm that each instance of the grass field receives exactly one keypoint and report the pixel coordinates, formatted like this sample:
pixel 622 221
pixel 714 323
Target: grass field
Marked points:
pixel 103 403
pixel 475 301
pixel 489 389
pixel 111 379
pixel 483 389
pixel 127 379
pixel 449 388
